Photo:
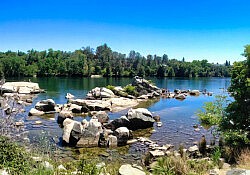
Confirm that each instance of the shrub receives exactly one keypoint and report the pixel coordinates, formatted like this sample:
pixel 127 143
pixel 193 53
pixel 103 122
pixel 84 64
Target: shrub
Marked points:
pixel 110 87
pixel 13 157
pixel 131 90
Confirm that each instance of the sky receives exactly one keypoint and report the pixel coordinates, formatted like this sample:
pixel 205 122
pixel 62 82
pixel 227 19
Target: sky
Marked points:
pixel 216 30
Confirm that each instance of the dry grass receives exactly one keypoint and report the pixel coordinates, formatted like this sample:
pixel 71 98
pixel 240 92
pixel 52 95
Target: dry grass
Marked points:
pixel 244 159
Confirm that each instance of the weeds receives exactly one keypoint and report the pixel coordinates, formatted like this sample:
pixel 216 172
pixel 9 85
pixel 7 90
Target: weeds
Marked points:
pixel 180 166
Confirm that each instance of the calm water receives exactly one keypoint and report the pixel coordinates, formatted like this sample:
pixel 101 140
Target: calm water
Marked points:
pixel 178 117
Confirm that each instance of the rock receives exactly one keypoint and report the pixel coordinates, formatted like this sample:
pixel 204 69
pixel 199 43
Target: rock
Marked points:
pixel 238 172
pixel 3 172
pixel 61 168
pixel 63 115
pixel 24 90
pixel 99 93
pixel 100 165
pixel 35 112
pixel 93 105
pixel 102 116
pixel 197 129
pixel 90 135
pixel 69 96
pixel 127 169
pixel 132 141
pixel 122 135
pixel 180 96
pixel 157 153
pixel 75 108
pixel 46 105
pixel 120 122
pixel 19 123
pixel 195 92
pixel 29 100
pixel 112 141
pixel 159 124
pixel 72 131
pixel 193 148
pixel 139 118
pixel 157 118
pixel 38 122
pixel 37 159
pixel 21 87
pixel 47 165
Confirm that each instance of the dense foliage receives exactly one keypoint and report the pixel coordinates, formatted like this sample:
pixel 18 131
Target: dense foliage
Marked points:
pixel 103 61
pixel 233 120
pixel 236 123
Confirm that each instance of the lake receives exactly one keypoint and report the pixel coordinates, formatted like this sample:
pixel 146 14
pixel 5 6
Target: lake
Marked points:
pixel 178 117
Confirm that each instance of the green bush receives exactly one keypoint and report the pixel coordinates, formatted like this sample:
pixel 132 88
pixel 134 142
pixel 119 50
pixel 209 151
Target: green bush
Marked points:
pixel 110 87
pixel 131 90
pixel 13 157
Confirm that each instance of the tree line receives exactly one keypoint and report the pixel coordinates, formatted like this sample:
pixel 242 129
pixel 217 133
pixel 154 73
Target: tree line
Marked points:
pixel 103 61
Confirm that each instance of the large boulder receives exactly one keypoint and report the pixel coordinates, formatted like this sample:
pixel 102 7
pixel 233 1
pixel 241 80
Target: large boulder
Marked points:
pixel 72 131
pixel 46 105
pixel 139 118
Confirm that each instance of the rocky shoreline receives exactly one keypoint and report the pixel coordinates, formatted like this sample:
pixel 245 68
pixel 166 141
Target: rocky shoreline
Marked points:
pixel 99 131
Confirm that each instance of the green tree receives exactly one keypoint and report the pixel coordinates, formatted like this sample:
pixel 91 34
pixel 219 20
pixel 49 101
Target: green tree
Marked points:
pixel 236 123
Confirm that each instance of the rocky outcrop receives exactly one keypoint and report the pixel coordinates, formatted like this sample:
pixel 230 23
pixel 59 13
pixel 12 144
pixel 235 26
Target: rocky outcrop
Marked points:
pixel 144 87
pixel 20 87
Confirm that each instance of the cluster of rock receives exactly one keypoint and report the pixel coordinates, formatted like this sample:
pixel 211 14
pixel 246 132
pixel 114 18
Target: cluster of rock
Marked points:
pixel 99 131
pixel 21 93
pixel 182 94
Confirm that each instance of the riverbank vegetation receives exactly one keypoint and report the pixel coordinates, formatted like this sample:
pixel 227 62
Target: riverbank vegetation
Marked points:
pixel 106 62
pixel 233 120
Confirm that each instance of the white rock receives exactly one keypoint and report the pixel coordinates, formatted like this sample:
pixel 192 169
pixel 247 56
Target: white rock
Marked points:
pixel 35 112
pixel 157 153
pixel 127 169
pixel 47 165
pixel 193 148
pixel 158 124
pixel 61 168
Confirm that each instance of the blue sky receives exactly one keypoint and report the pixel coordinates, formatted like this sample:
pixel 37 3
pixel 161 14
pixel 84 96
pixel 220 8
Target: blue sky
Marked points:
pixel 215 30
